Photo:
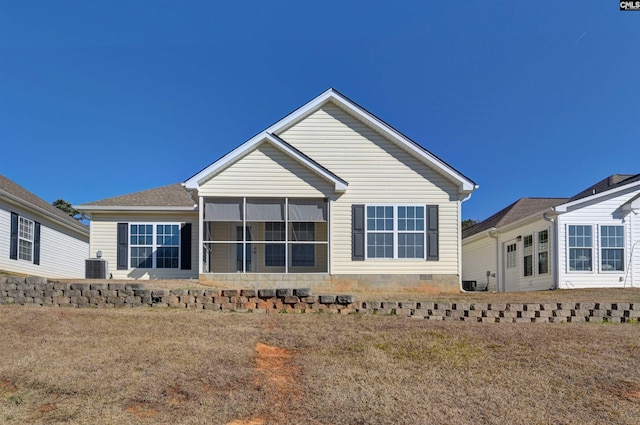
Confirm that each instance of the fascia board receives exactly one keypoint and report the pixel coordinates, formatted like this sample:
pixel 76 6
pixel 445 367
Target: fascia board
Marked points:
pixel 230 158
pixel 564 207
pixel 19 202
pixel 511 226
pixel 233 156
pixel 465 184
pixel 340 185
pixel 100 208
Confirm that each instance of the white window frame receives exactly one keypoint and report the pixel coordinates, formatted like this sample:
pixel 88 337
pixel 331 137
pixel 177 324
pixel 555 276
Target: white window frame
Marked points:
pixel 601 249
pixel 569 248
pixel 396 232
pixel 26 235
pixel 154 245
pixel 540 251
pixel 528 251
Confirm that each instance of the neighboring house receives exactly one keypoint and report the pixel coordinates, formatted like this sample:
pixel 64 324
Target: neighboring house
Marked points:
pixel 330 195
pixel 38 238
pixel 586 241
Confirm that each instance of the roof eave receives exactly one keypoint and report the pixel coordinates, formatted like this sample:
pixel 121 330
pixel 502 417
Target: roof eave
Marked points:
pixel 115 208
pixel 562 208
pixel 16 200
pixel 380 126
pixel 194 182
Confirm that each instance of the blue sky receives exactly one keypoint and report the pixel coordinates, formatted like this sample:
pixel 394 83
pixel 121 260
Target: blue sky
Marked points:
pixel 537 98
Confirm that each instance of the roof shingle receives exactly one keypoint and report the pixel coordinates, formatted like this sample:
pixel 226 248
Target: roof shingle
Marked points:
pixel 173 195
pixel 14 189
pixel 522 208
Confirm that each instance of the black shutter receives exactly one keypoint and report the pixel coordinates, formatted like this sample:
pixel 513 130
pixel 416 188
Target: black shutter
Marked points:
pixel 36 243
pixel 123 246
pixel 432 233
pixel 13 248
pixel 357 233
pixel 185 247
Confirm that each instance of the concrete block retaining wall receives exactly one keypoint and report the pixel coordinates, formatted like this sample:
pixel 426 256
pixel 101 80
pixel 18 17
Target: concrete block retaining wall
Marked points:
pixel 36 291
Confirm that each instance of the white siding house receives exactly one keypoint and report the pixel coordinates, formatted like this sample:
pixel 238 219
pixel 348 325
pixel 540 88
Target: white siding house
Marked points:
pixel 587 241
pixel 329 195
pixel 37 238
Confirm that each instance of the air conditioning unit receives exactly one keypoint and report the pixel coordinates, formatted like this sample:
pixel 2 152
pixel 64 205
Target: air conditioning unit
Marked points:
pixel 95 268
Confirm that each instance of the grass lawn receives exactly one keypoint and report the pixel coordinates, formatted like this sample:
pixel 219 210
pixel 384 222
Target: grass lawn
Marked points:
pixel 138 366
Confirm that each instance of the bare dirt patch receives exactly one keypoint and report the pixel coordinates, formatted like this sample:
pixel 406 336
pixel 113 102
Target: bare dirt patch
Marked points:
pixel 7 387
pixel 142 411
pixel 277 380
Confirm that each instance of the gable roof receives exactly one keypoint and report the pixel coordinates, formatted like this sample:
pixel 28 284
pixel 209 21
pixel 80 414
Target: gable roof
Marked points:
pixel 242 150
pixel 171 197
pixel 521 209
pixel 465 184
pixel 18 194
pixel 613 183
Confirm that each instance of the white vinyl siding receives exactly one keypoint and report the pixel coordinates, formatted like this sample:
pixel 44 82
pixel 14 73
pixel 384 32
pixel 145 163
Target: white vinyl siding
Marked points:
pixel 62 251
pixel 478 258
pixel 104 230
pixel 605 212
pixel 378 172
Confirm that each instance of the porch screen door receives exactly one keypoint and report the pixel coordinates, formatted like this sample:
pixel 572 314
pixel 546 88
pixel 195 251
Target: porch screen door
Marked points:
pixel 243 256
pixel 510 281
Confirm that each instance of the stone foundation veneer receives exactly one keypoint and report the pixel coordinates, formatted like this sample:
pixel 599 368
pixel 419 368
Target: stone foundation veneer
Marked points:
pixel 36 291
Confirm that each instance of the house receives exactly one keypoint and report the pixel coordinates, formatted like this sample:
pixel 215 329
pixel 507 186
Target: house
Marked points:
pixel 586 241
pixel 37 238
pixel 329 196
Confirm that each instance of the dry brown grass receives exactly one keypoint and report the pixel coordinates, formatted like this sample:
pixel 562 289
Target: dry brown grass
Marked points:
pixel 144 366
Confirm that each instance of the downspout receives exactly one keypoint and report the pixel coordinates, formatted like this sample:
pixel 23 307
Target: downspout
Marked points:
pixel 556 252
pixel 466 198
pixel 200 235
pixel 493 233
pixel 631 212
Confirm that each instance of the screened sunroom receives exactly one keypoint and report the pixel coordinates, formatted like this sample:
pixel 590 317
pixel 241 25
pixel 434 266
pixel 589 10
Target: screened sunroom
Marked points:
pixel 265 235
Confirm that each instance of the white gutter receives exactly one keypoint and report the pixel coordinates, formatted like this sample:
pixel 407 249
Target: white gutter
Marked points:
pixel 556 246
pixel 15 200
pixel 493 233
pixel 132 208
pixel 466 198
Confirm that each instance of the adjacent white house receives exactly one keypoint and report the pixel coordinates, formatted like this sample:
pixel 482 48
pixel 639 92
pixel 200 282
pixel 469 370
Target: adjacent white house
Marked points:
pixel 328 196
pixel 587 241
pixel 37 238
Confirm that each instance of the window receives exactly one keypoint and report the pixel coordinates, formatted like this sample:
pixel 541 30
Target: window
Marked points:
pixel 612 246
pixel 25 239
pixel 543 252
pixel 274 253
pixel 528 255
pixel 580 248
pixel 168 243
pixel 410 232
pixel 155 246
pixel 303 255
pixel 511 255
pixel 380 232
pixel 395 231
